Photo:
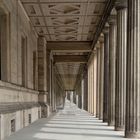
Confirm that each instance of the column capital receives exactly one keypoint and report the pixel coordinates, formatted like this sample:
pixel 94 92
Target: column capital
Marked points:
pixel 119 4
pixel 94 51
pixel 106 29
pixel 97 45
pixel 112 20
pixel 101 38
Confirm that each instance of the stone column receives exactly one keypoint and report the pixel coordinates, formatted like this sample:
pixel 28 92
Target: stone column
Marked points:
pixel 112 70
pixel 92 87
pixel 89 88
pixel 132 127
pixel 53 80
pixel 66 94
pixel 53 85
pixel 98 80
pixel 74 97
pixel 48 77
pixel 77 100
pixel 42 75
pixel 95 79
pixel 106 74
pixel 85 88
pixel 120 93
pixel 50 81
pixel 82 91
pixel 71 97
pixel 90 97
pixel 101 79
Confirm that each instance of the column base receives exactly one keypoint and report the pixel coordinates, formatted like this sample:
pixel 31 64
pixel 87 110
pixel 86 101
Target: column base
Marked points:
pixel 119 128
pixel 44 110
pixel 97 116
pixel 105 120
pixel 100 118
pixel 92 114
pixel 111 123
pixel 132 134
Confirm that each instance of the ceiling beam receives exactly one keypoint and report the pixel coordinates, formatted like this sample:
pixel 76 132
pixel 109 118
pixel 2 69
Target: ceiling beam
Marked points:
pixel 106 13
pixel 68 75
pixel 73 26
pixel 70 58
pixel 69 46
pixel 66 33
pixel 70 15
pixel 66 2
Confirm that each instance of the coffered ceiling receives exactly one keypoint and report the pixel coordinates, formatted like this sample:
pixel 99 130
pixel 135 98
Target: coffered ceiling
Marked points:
pixel 68 73
pixel 65 20
pixel 69 27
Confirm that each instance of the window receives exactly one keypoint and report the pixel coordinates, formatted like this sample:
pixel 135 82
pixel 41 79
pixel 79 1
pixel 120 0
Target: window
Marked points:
pixel 35 79
pixel 24 60
pixel 3 46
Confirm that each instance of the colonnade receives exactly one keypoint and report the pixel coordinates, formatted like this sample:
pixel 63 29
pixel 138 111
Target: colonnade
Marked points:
pixel 114 96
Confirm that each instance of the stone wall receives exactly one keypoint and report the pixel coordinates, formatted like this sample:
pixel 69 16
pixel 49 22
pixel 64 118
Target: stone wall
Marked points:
pixel 21 120
pixel 19 26
pixel 17 102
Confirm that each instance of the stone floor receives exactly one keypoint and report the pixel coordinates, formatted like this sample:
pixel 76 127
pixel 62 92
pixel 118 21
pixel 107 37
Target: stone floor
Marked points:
pixel 68 124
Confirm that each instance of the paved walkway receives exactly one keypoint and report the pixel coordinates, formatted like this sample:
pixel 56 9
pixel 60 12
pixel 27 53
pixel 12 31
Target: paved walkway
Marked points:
pixel 69 124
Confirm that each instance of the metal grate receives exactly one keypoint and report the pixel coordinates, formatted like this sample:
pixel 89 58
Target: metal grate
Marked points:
pixel 13 124
pixel 30 119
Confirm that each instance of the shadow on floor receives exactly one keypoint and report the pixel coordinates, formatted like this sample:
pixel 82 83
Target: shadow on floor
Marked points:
pixel 83 128
pixel 83 134
pixel 68 124
pixel 80 124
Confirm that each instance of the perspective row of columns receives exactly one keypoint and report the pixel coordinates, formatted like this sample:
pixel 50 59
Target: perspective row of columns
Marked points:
pixel 117 68
pixel 80 92
pixel 47 82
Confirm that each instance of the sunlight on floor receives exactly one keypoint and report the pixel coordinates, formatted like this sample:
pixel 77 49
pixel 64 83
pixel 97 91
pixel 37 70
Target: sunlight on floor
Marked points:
pixel 71 123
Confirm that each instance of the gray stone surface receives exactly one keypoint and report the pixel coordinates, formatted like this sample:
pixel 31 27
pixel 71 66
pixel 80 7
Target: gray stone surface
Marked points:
pixel 98 77
pixel 101 80
pixel 120 92
pixel 132 128
pixel 68 124
pixel 106 74
pixel 112 70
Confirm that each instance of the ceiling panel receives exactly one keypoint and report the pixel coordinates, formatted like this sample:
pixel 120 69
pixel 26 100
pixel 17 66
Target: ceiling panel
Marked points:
pixel 68 74
pixel 65 20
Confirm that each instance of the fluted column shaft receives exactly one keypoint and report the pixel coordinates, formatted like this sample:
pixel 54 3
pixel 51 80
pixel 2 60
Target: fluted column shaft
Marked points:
pixel 77 100
pixel 112 71
pixel 92 85
pixel 86 90
pixel 98 81
pixel 82 92
pixel 95 79
pixel 120 94
pixel 101 80
pixel 106 75
pixel 89 87
pixel 132 129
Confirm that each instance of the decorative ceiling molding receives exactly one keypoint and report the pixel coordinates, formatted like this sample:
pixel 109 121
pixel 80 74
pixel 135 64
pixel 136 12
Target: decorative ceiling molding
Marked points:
pixel 69 27
pixel 65 20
